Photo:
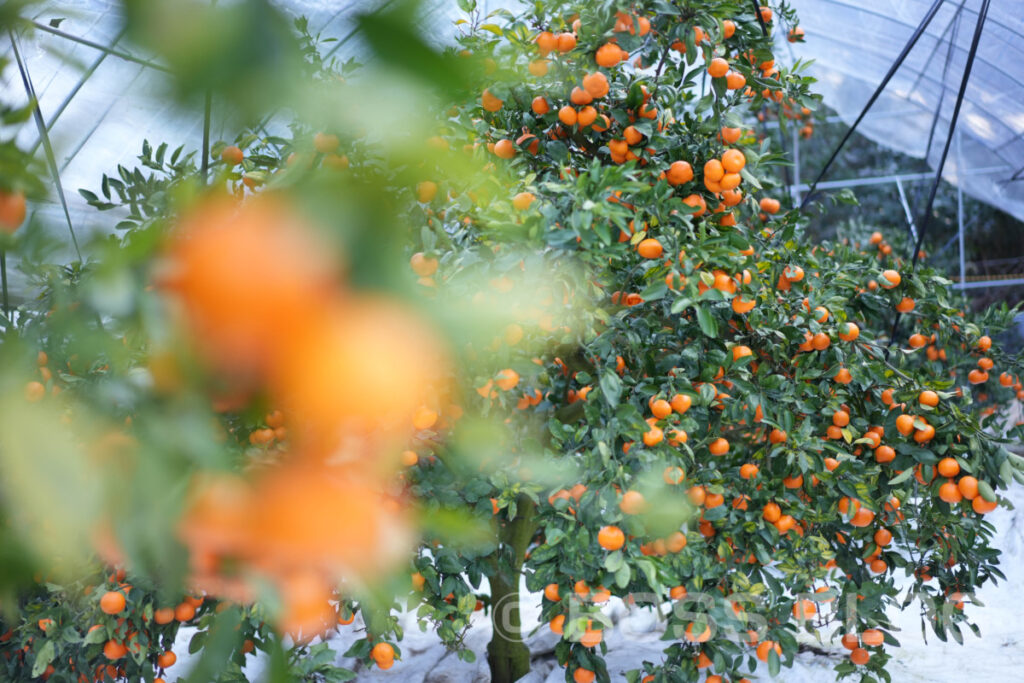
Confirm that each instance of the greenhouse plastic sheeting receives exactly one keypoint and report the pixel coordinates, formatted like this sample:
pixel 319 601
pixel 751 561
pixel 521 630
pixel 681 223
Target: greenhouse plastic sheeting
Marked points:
pixel 854 43
pixel 107 105
pixel 100 107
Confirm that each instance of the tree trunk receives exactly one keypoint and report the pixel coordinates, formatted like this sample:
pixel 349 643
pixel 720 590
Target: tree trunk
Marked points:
pixel 507 654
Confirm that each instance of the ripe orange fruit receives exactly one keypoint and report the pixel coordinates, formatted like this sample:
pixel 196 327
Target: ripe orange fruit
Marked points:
pixel 872 637
pixel 977 376
pixel 741 351
pixel 950 493
pixel 661 408
pixel 232 155
pixel 804 609
pixel 12 211
pixel 112 602
pixel 719 446
pixel 522 201
pixel 546 42
pixel 383 655
pixel 749 470
pixel 35 391
pixel 905 424
pixel 557 625
pixel 984 343
pixel 184 612
pixel 679 172
pixel 609 55
pixel 426 191
pixel 701 636
pixel 507 379
pixel 766 647
pixel 885 454
pixel 566 42
pixel 581 675
pixel 650 248
pixel 114 650
pixel 591 637
pixel 733 161
pixel 948 467
pixel 850 641
pixel 769 205
pixel 504 149
pixel 718 67
pixel 653 436
pixel 673 475
pixel 551 592
pixel 422 266
pixel 611 537
pixel 777 436
pixel 968 486
pixel 163 615
pixel 741 305
pixel 982 506
pixel 325 143
pixel 771 512
pixel 596 84
pixel 540 106
pixel 890 279
pixel 860 656
pixel 905 305
pixel 849 331
pixel 166 659
pixel 862 518
pixel 632 503
pixel 680 403
pixel 490 102
pixel 883 537
pixel 928 398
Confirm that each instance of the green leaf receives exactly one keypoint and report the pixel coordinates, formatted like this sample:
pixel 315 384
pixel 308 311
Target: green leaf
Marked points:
pixel 96 636
pixel 774 665
pixel 622 576
pixel 707 322
pixel 986 491
pixel 611 387
pixel 614 561
pixel 43 658
pixel 901 477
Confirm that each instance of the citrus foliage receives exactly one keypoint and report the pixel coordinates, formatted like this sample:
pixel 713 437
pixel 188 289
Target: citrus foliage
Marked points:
pixel 732 418
pixel 666 394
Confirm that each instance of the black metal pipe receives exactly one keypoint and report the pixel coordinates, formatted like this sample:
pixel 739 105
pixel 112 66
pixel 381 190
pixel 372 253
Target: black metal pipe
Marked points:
pixel 878 91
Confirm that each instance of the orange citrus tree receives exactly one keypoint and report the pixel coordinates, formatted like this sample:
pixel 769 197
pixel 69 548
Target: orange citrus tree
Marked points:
pixel 729 430
pixel 555 322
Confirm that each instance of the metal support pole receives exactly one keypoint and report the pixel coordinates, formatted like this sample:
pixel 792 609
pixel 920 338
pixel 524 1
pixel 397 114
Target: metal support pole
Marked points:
pixel 878 91
pixel 30 90
pixel 78 86
pixel 207 109
pixel 796 167
pixel 99 46
pixel 927 213
pixel 760 19
pixel 926 216
pixel 961 177
pixel 906 209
